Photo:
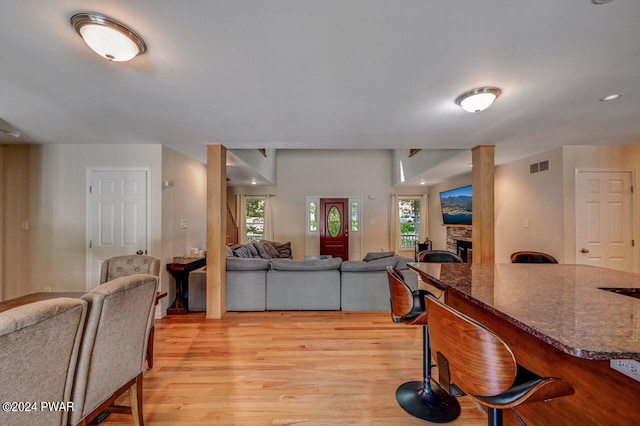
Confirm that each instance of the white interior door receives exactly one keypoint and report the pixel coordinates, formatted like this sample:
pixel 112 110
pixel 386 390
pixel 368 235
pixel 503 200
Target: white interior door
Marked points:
pixel 117 217
pixel 604 220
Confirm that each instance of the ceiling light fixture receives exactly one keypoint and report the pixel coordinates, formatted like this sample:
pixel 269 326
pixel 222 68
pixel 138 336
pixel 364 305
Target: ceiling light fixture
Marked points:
pixel 108 37
pixel 14 133
pixel 476 100
pixel 610 97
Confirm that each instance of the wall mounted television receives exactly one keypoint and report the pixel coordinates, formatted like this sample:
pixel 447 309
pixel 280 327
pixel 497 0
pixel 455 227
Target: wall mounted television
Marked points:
pixel 456 206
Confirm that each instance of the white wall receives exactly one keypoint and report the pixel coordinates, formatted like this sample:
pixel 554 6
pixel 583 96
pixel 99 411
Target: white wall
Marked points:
pixel 58 208
pixel 546 200
pixel 329 173
pixel 186 199
pixel 537 199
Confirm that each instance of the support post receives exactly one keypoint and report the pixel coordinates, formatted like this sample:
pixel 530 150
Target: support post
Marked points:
pixel 483 204
pixel 216 231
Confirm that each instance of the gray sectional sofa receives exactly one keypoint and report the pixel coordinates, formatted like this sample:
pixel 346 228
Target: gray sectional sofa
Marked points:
pixel 257 284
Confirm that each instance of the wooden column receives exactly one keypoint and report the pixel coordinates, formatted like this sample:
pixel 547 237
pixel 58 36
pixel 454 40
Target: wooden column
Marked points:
pixel 216 231
pixel 483 204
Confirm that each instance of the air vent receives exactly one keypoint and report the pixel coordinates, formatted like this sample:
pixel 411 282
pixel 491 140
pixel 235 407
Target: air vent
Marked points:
pixel 542 166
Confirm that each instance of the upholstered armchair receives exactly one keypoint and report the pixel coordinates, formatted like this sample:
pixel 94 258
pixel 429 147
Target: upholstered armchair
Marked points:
pixel 121 266
pixel 113 349
pixel 39 345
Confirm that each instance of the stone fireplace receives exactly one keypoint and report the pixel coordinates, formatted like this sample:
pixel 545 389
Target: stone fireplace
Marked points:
pixel 459 241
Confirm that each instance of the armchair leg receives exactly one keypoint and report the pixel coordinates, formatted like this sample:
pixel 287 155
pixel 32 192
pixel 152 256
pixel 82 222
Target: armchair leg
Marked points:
pixel 135 399
pixel 426 400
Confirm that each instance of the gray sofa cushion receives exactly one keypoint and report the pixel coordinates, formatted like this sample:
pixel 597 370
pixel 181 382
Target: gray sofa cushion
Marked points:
pixel 239 264
pixel 369 291
pixel 374 256
pixel 303 290
pixel 306 265
pixel 374 265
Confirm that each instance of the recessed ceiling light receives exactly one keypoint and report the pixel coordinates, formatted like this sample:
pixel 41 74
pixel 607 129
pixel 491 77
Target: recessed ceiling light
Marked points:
pixel 422 182
pixel 108 37
pixel 611 97
pixel 479 99
pixel 253 182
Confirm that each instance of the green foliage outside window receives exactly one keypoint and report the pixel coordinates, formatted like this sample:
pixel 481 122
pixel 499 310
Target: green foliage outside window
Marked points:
pixel 409 221
pixel 254 219
pixel 334 222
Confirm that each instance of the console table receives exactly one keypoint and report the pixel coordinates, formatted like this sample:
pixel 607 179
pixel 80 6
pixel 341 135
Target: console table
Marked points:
pixel 179 270
pixel 567 321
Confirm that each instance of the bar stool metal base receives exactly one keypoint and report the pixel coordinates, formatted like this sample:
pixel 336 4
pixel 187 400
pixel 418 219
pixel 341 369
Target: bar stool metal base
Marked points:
pixel 431 404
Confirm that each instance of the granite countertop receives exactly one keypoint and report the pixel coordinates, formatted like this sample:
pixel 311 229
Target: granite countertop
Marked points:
pixel 562 305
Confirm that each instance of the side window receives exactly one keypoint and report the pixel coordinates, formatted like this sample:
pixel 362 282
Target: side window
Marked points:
pixel 409 209
pixel 355 216
pixel 313 216
pixel 254 223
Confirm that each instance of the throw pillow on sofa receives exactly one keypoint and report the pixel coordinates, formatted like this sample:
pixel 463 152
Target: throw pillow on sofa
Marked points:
pixel 262 252
pixel 284 249
pixel 374 256
pixel 243 252
pixel 252 249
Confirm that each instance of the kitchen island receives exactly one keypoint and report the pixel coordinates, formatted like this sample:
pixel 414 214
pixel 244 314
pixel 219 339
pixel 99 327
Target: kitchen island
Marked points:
pixel 567 321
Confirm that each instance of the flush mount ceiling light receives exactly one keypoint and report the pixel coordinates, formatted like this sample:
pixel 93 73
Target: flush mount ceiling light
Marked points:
pixel 611 97
pixel 108 37
pixel 479 99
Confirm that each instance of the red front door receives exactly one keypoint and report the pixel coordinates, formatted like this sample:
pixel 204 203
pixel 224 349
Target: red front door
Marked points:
pixel 334 227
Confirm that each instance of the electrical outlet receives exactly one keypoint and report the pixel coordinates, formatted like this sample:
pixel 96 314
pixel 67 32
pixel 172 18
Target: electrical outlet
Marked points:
pixel 628 367
pixel 47 289
pixel 183 223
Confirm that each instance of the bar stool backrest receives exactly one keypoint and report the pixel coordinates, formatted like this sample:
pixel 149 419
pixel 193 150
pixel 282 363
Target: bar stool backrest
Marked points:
pixel 480 362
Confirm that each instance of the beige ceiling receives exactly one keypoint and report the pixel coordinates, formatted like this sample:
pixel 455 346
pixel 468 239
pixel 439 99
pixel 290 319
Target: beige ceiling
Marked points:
pixel 326 74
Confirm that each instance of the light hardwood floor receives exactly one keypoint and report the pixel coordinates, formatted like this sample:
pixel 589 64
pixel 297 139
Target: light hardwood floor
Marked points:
pixel 283 368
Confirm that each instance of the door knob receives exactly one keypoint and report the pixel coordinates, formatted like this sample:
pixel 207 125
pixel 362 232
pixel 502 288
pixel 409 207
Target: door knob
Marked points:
pixel 584 251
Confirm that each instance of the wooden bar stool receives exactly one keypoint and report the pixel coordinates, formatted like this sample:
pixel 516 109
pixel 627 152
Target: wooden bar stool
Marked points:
pixel 423 399
pixel 475 360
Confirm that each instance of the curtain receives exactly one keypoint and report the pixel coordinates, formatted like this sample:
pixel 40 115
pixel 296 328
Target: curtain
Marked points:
pixel 268 217
pixel 394 232
pixel 424 218
pixel 241 218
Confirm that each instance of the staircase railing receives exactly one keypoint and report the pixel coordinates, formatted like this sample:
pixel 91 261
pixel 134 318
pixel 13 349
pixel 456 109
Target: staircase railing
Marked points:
pixel 232 228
